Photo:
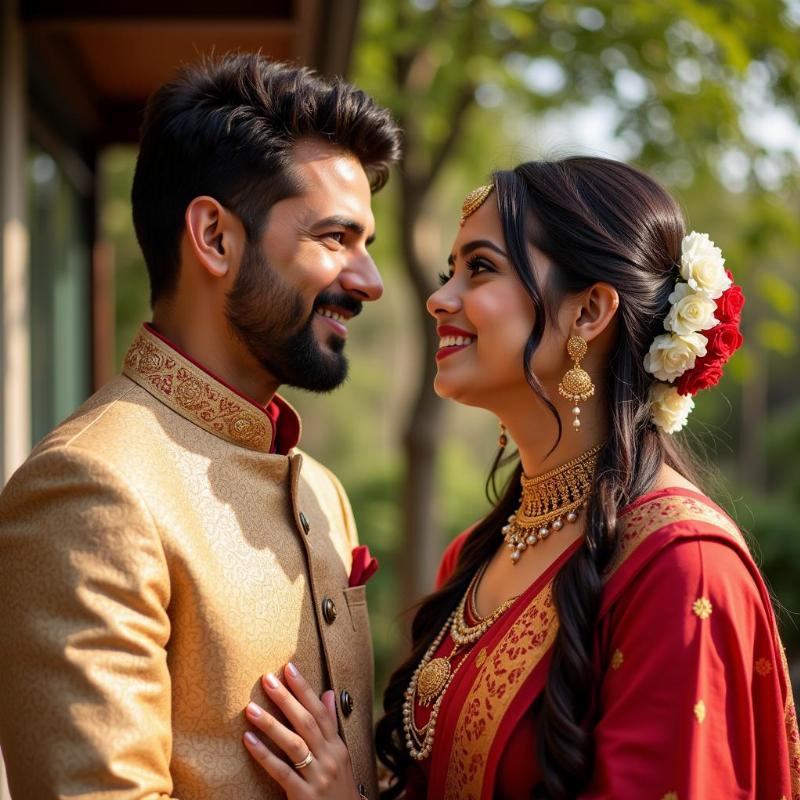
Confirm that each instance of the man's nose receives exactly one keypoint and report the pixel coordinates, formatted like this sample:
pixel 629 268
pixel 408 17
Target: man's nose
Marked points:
pixel 362 279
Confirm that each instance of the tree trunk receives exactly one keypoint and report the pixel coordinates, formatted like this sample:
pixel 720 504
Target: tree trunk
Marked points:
pixel 422 436
pixel 420 167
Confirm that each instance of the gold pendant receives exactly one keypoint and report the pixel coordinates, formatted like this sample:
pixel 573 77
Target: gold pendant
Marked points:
pixel 432 680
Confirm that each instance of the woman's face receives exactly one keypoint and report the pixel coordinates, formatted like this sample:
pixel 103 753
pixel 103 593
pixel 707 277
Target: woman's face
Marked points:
pixel 484 319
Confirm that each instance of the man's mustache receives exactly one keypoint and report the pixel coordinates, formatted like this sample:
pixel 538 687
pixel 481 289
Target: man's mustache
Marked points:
pixel 343 301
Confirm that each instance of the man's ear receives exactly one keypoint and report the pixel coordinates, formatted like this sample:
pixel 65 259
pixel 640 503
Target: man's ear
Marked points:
pixel 215 235
pixel 597 309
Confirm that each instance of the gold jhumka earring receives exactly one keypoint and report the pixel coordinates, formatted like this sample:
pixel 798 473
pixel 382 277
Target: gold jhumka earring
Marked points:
pixel 473 201
pixel 576 385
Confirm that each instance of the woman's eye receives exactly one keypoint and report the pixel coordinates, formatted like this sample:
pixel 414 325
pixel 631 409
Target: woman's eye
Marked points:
pixel 337 236
pixel 478 265
pixel 444 277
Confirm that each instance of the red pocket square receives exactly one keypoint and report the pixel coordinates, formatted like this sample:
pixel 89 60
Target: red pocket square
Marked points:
pixel 364 566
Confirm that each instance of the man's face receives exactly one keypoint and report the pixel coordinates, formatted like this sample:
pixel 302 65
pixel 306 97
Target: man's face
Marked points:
pixel 309 273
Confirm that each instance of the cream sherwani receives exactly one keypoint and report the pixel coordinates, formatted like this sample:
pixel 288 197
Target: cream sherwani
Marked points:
pixel 156 558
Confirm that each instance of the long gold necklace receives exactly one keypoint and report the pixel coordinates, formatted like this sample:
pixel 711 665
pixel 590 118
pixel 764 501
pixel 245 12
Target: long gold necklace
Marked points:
pixel 548 501
pixel 433 676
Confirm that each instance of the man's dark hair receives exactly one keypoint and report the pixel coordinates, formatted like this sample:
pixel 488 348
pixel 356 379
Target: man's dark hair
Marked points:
pixel 227 128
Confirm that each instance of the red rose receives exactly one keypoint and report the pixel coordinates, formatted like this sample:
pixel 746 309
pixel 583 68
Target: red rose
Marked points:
pixel 729 306
pixel 706 373
pixel 723 341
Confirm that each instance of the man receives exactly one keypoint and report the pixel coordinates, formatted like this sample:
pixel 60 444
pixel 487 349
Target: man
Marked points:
pixel 168 545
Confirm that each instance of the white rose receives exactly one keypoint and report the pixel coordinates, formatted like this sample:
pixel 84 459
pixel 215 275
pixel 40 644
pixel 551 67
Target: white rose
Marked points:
pixel 702 265
pixel 670 410
pixel 672 354
pixel 691 311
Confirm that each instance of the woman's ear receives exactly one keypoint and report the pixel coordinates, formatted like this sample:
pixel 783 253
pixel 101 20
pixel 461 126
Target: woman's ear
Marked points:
pixel 596 310
pixel 215 236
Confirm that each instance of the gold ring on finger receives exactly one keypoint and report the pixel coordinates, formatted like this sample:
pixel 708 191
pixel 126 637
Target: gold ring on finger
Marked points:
pixel 305 762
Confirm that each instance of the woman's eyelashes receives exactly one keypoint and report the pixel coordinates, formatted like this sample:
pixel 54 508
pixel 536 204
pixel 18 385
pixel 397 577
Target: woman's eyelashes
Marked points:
pixel 475 266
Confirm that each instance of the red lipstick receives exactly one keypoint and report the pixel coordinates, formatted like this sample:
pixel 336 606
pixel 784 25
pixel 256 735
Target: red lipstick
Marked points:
pixel 451 332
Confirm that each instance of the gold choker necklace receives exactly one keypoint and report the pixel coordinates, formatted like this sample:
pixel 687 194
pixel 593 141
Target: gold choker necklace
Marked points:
pixel 548 500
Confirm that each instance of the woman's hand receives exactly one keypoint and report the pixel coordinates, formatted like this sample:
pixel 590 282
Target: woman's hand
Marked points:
pixel 319 764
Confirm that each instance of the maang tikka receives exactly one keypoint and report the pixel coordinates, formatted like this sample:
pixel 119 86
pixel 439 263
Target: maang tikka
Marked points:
pixel 576 385
pixel 474 200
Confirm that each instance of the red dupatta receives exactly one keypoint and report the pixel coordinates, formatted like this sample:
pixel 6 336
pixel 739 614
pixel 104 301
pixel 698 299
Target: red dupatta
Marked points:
pixel 508 668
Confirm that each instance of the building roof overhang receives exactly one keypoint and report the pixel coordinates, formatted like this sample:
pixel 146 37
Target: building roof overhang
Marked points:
pixel 104 59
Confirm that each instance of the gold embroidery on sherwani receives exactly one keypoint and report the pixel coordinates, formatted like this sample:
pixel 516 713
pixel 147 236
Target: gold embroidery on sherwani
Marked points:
pixel 670 796
pixel 702 607
pixel 616 659
pixel 517 654
pixel 185 388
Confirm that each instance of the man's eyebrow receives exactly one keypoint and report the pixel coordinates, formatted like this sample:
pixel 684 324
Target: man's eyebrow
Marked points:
pixel 467 248
pixel 344 222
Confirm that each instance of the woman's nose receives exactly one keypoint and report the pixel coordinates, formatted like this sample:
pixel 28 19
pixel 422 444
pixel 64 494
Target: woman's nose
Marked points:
pixel 444 300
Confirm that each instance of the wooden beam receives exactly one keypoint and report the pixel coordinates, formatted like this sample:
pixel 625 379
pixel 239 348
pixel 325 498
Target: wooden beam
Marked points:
pixel 69 88
pixel 39 10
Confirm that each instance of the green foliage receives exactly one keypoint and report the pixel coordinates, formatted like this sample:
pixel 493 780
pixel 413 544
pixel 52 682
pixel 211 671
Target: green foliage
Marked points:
pixel 677 71
pixel 772 518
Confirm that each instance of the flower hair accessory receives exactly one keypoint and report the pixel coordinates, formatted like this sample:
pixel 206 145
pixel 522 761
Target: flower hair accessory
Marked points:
pixel 702 333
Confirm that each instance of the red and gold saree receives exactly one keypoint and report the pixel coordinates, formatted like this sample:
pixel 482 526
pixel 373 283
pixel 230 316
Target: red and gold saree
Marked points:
pixel 692 697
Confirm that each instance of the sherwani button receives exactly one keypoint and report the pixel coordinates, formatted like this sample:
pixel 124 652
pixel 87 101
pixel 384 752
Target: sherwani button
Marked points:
pixel 304 522
pixel 346 702
pixel 329 611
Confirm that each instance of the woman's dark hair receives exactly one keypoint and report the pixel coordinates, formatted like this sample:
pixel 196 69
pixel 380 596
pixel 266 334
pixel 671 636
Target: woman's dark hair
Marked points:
pixel 226 128
pixel 596 220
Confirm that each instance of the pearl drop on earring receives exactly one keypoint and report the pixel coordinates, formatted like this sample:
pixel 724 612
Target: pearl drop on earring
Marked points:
pixel 576 422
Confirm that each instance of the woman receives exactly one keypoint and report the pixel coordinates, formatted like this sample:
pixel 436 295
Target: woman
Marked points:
pixel 603 632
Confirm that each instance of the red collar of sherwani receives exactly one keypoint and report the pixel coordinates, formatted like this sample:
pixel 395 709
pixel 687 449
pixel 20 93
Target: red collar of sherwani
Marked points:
pixel 189 389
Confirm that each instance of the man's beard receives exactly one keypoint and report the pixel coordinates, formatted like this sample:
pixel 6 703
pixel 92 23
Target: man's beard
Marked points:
pixel 267 315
